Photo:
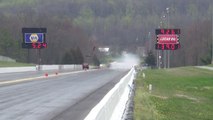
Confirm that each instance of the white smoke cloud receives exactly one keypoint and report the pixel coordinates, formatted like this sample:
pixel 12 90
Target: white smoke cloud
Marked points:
pixel 126 61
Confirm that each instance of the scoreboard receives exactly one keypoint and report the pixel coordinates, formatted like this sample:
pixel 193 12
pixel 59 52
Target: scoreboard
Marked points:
pixel 167 39
pixel 34 38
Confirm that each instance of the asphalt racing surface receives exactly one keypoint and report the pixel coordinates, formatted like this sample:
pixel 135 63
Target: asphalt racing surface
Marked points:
pixel 66 96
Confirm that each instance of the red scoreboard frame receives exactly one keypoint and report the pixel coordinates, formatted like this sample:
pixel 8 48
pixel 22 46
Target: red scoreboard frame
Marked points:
pixel 167 39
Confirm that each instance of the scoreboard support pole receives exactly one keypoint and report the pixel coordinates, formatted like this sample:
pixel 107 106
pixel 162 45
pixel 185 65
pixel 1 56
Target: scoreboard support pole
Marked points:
pixel 160 59
pixel 39 57
pixel 165 59
pixel 28 55
pixel 38 51
pixel 168 25
pixel 168 59
pixel 157 59
pixel 212 37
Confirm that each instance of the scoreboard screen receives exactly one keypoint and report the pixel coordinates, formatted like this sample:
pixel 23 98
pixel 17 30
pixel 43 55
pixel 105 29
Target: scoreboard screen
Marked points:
pixel 34 37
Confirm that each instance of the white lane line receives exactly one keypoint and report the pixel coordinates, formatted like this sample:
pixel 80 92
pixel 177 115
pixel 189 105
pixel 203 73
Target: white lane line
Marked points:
pixel 40 77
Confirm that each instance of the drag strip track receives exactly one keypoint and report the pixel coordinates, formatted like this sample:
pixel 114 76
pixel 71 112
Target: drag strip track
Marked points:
pixel 66 97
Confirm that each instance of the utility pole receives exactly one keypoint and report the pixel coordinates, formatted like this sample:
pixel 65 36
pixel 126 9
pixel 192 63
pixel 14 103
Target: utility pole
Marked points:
pixel 150 41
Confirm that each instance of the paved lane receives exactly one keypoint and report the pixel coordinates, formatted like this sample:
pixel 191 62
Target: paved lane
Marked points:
pixel 67 97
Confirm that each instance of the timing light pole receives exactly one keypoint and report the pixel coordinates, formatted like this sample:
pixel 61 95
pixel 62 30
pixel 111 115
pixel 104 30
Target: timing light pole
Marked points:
pixel 168 59
pixel 164 52
pixel 212 37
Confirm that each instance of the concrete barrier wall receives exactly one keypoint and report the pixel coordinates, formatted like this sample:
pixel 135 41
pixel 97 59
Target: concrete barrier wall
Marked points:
pixel 42 68
pixel 49 67
pixel 112 106
pixel 16 69
pixel 68 66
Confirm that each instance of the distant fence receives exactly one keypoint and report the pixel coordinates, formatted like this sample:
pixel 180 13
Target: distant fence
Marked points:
pixel 7 59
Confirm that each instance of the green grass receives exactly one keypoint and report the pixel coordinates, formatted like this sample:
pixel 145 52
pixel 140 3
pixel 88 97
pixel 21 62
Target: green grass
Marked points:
pixel 10 3
pixel 211 65
pixel 13 64
pixel 178 94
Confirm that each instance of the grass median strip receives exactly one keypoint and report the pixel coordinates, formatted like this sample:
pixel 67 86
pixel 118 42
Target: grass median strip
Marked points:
pixel 178 94
pixel 14 64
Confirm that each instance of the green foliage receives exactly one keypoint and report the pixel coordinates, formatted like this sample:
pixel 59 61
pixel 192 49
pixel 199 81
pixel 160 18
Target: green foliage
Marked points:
pixel 126 20
pixel 85 19
pixel 206 60
pixel 8 46
pixel 79 56
pixel 178 94
pixel 96 60
pixel 5 43
pixel 11 3
pixel 67 59
pixel 14 64
pixel 74 56
pixel 115 23
pixel 150 59
pixel 193 11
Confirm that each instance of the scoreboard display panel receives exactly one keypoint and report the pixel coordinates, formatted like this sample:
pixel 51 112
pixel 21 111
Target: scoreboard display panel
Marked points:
pixel 167 39
pixel 34 38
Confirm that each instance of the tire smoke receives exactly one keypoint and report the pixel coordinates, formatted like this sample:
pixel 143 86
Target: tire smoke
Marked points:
pixel 126 61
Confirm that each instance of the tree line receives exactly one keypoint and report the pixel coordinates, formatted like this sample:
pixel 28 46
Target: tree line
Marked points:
pixel 119 24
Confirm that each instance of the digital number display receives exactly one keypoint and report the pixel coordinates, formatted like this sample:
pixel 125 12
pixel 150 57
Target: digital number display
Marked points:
pixel 167 31
pixel 39 45
pixel 34 45
pixel 167 46
pixel 34 38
